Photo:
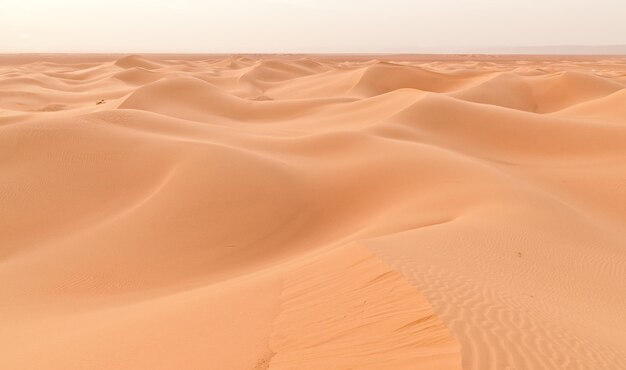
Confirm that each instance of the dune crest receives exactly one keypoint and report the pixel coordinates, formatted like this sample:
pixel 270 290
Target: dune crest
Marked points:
pixel 285 212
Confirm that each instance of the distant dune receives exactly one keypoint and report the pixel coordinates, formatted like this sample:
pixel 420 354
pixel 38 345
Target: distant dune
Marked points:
pixel 313 212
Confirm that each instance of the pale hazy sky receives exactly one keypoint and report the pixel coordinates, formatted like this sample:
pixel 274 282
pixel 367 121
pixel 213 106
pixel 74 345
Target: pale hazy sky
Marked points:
pixel 304 25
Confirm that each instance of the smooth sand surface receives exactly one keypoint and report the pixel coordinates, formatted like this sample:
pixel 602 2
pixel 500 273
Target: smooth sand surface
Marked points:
pixel 294 212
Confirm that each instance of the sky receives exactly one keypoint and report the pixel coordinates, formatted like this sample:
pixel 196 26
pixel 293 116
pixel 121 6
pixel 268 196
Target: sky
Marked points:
pixel 305 26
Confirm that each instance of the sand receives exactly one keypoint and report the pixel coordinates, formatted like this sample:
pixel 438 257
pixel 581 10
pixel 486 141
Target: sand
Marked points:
pixel 312 212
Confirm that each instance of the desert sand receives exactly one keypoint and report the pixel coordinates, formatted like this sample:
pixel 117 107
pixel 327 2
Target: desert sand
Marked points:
pixel 312 212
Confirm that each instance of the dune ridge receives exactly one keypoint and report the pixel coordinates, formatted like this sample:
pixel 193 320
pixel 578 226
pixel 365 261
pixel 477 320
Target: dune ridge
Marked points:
pixel 312 212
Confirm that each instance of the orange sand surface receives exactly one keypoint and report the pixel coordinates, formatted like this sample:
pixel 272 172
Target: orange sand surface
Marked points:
pixel 320 212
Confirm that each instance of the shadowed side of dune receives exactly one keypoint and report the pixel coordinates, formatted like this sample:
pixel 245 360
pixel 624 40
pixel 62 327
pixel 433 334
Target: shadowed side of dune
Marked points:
pixel 138 76
pixel 385 77
pixel 136 61
pixel 195 99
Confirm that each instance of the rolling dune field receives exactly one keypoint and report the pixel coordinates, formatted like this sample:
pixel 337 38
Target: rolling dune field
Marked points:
pixel 312 212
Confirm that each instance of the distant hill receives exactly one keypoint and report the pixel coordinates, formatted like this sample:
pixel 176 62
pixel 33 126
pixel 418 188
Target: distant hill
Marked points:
pixel 556 50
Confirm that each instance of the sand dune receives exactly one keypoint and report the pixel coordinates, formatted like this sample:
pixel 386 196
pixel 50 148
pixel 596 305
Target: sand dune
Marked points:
pixel 312 213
